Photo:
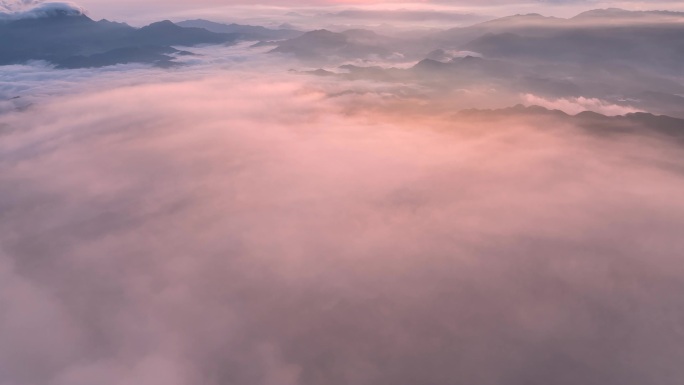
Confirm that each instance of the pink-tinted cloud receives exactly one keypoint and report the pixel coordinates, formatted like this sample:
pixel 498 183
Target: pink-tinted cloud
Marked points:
pixel 579 104
pixel 251 229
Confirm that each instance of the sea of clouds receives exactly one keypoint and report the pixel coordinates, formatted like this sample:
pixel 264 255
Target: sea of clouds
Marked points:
pixel 31 9
pixel 239 224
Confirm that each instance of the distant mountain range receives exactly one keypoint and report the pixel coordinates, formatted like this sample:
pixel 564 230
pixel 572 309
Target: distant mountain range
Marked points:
pixel 246 32
pixel 324 46
pixel 652 39
pixel 632 59
pixel 75 41
pixel 600 38
pixel 617 15
pixel 638 123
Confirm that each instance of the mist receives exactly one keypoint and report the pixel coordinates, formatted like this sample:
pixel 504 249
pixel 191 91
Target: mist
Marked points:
pixel 242 227
pixel 335 193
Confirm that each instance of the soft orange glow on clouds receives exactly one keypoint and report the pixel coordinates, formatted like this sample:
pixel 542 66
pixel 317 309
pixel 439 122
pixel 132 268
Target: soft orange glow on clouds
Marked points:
pixel 161 233
pixel 343 207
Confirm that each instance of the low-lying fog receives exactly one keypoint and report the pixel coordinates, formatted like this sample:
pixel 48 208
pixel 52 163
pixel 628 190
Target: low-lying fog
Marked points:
pixel 248 226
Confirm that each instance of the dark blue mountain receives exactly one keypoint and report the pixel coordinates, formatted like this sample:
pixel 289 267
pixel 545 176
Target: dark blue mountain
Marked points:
pixel 73 41
pixel 246 32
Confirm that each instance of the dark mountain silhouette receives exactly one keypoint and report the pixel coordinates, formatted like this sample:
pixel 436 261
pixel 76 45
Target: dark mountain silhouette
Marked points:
pixel 653 38
pixel 534 23
pixel 456 72
pixel 639 123
pixel 403 15
pixel 159 56
pixel 473 65
pixel 168 33
pixel 374 73
pixel 74 40
pixel 530 24
pixel 667 104
pixel 313 44
pixel 633 58
pixel 640 46
pixel 324 45
pixel 246 32
pixel 523 21
pixel 617 15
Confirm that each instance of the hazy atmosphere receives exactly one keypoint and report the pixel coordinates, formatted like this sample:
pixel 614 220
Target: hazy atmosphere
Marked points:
pixel 341 192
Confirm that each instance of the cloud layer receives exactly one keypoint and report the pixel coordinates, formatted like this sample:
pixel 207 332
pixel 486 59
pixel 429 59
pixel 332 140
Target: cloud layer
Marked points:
pixel 247 228
pixel 26 9
pixel 576 105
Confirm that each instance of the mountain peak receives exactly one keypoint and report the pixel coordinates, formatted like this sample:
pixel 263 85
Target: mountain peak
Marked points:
pixel 323 36
pixel 360 33
pixel 163 23
pixel 163 26
pixel 321 32
pixel 619 13
pixel 607 12
pixel 430 65
pixel 45 10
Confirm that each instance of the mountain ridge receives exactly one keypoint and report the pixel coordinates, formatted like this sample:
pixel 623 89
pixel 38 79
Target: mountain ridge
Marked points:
pixel 67 40
pixel 596 123
pixel 247 32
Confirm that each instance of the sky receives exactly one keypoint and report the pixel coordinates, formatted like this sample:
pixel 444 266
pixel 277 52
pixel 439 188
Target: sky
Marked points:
pixel 314 13
pixel 228 10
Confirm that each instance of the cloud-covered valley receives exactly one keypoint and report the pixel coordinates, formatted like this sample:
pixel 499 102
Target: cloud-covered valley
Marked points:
pixel 245 228
pixel 228 204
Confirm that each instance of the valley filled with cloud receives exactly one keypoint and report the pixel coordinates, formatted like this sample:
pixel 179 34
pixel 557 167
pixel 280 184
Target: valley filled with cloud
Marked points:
pixel 211 202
